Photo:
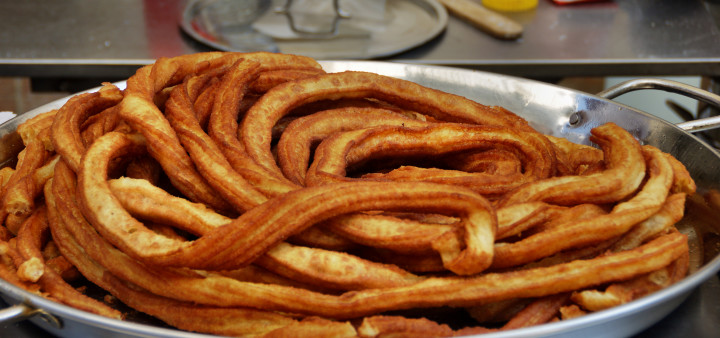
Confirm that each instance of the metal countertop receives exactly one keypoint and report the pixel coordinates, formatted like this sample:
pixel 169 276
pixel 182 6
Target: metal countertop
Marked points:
pixel 110 39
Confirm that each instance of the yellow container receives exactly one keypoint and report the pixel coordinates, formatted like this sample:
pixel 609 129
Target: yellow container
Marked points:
pixel 510 5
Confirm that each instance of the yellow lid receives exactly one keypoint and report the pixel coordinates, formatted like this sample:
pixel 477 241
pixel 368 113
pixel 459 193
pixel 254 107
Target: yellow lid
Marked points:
pixel 510 5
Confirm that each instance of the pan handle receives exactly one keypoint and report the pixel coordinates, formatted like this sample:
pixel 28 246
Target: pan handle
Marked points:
pixel 673 87
pixel 22 311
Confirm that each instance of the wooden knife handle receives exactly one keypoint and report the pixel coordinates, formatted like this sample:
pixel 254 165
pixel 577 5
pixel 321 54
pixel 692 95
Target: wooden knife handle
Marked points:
pixel 489 21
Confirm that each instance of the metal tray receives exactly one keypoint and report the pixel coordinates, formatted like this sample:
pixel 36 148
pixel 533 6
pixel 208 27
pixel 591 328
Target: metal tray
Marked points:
pixel 551 109
pixel 407 24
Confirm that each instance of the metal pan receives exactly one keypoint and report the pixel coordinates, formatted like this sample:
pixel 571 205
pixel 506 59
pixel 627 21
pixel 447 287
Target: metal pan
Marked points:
pixel 550 109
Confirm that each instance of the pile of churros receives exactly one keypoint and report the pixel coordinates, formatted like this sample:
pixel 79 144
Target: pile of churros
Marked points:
pixel 254 194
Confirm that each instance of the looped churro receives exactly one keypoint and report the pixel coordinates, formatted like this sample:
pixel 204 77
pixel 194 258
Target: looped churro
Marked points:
pixel 66 137
pixel 207 157
pixel 625 169
pixel 343 150
pixel 234 246
pixel 295 144
pixel 256 128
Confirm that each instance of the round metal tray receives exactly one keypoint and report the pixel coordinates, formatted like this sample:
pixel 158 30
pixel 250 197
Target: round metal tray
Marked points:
pixel 406 25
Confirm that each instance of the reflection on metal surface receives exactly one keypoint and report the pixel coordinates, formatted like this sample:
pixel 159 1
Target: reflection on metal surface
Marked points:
pixel 6 115
pixel 331 31
pixel 707 118
pixel 707 110
pixel 230 22
pixel 22 311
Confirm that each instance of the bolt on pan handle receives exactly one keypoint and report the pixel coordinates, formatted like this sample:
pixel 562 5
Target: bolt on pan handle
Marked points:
pixel 22 311
pixel 673 87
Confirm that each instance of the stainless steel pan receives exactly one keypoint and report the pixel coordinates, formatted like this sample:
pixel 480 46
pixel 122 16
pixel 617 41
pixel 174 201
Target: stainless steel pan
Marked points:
pixel 551 109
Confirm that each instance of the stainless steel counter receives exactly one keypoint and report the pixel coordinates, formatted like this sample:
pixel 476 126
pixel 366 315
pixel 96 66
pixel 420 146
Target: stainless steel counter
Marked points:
pixel 110 39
